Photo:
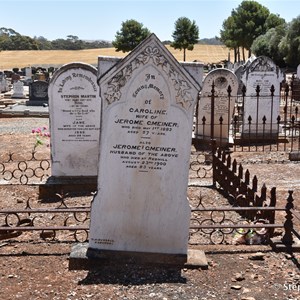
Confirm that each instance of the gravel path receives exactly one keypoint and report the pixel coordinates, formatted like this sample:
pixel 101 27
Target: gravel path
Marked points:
pixel 21 125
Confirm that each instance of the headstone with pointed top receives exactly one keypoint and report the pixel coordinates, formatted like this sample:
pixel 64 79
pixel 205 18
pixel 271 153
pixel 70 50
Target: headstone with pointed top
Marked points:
pixel 141 205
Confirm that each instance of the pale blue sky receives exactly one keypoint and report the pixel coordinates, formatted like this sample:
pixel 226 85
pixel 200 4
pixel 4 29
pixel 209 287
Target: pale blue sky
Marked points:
pixel 100 19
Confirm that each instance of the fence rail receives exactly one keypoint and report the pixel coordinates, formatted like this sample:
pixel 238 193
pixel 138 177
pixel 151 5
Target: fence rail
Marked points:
pixel 211 224
pixel 48 221
pixel 24 170
pixel 275 132
pixel 256 208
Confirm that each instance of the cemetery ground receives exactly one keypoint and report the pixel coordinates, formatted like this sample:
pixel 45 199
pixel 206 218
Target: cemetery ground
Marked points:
pixel 33 268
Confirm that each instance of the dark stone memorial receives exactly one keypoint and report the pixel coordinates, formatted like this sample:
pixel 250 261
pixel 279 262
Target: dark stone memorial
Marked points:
pixel 38 93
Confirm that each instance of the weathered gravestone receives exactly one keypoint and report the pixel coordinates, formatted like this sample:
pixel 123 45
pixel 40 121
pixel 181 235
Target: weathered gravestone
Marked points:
pixel 74 107
pixel 145 143
pixel 28 73
pixel 261 72
pixel 38 93
pixel 238 73
pixel 298 71
pixel 215 108
pixel 18 90
pixel 3 83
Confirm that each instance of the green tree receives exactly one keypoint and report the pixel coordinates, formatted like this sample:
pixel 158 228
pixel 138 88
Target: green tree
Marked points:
pixel 185 35
pixel 229 35
pixel 247 23
pixel 22 42
pixel 268 44
pixel 273 21
pixel 8 32
pixel 290 44
pixel 131 34
pixel 5 38
pixel 43 43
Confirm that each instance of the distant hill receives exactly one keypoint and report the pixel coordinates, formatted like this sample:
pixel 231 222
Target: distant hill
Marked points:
pixel 210 41
pixel 205 41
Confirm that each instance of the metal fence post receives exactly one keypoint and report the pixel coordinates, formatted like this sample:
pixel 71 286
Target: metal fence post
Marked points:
pixel 288 224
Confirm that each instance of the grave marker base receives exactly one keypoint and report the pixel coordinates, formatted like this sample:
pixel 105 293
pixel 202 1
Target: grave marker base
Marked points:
pixel 56 185
pixel 37 103
pixel 84 258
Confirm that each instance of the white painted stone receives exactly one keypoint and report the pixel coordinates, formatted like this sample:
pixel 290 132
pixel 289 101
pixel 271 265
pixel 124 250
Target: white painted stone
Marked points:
pixel 298 71
pixel 141 205
pixel 74 107
pixel 223 105
pixel 18 90
pixel 261 72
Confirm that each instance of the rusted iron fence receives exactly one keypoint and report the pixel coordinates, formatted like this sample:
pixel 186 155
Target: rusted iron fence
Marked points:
pixel 31 168
pixel 232 178
pixel 258 209
pixel 255 132
pixel 248 218
pixel 47 221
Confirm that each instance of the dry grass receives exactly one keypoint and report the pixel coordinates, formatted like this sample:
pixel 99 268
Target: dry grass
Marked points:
pixel 20 59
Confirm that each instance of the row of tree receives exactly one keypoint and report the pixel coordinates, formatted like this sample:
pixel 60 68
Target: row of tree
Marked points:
pixel 250 27
pixel 185 35
pixel 12 40
pixel 253 28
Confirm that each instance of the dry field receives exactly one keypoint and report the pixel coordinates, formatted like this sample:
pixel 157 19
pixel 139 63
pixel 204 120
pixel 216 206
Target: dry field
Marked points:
pixel 22 58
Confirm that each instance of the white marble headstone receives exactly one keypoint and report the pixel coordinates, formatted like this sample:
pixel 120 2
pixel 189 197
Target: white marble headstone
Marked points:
pixel 216 123
pixel 28 72
pixel 74 107
pixel 298 71
pixel 141 205
pixel 18 90
pixel 4 87
pixel 264 73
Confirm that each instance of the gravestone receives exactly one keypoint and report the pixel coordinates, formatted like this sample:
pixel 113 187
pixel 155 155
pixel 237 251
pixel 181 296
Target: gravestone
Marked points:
pixel 195 69
pixel 238 73
pixel 18 90
pixel 146 130
pixel 298 72
pixel 15 77
pixel 74 107
pixel 295 84
pixel 28 73
pixel 214 118
pixel 264 73
pixel 4 87
pixel 38 93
